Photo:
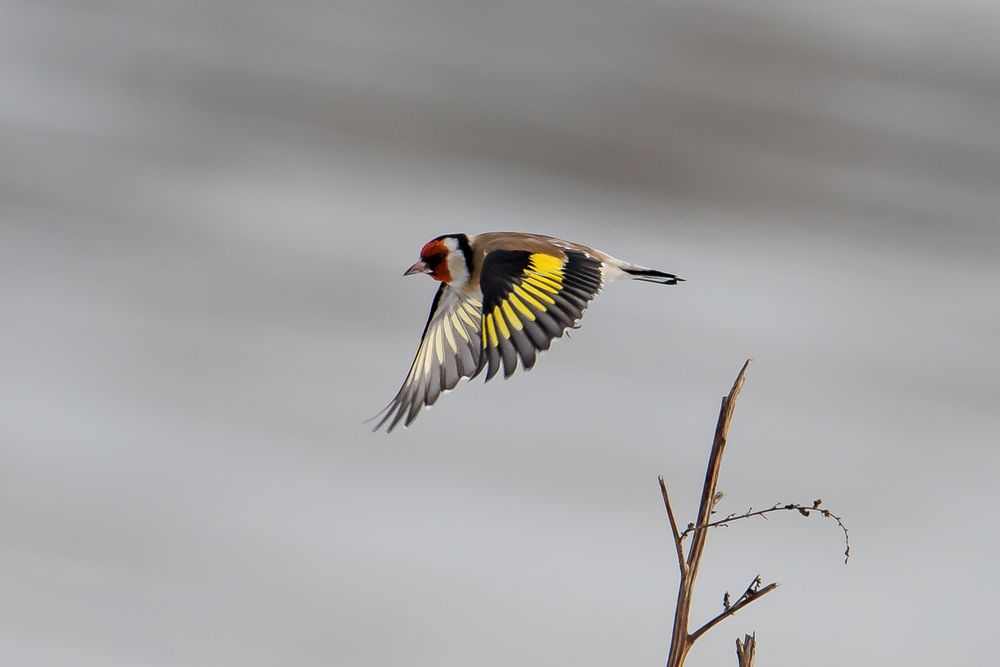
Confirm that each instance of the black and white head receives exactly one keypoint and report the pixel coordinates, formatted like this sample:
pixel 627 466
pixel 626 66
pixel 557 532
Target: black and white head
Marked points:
pixel 447 258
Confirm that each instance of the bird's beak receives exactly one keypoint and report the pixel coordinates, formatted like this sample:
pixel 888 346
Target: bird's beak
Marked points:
pixel 418 267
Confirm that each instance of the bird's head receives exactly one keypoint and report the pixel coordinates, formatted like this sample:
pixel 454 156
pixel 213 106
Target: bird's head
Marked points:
pixel 447 258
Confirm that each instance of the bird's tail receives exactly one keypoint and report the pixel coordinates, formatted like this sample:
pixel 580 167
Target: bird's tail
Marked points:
pixel 650 275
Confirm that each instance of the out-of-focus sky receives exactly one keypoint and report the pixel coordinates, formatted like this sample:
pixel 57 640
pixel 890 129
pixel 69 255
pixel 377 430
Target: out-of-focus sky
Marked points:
pixel 205 211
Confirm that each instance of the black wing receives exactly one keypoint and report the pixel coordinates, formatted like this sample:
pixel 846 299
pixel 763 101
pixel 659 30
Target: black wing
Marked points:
pixel 450 349
pixel 529 299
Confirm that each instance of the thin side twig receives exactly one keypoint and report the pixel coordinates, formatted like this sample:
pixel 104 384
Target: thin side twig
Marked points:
pixel 804 510
pixel 753 592
pixel 673 528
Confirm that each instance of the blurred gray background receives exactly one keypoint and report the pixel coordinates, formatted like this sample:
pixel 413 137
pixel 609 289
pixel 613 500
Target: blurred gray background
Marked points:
pixel 205 211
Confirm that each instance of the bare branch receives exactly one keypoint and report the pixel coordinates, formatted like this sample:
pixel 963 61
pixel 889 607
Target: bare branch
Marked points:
pixel 673 528
pixel 753 592
pixel 680 641
pixel 804 510
pixel 714 467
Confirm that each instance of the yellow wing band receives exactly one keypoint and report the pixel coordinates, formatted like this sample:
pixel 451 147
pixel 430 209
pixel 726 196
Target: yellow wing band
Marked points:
pixel 511 316
pixel 501 324
pixel 491 331
pixel 545 263
pixel 542 283
pixel 542 279
pixel 537 292
pixel 521 308
pixel 519 291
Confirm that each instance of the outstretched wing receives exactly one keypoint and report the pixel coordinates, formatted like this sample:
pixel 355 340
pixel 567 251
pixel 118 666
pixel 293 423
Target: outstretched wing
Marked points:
pixel 450 349
pixel 529 299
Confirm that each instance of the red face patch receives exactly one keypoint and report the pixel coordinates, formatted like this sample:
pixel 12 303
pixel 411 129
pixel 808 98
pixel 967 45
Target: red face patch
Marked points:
pixel 432 248
pixel 435 255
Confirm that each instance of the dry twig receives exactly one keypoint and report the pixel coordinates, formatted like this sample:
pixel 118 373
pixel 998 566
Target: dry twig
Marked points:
pixel 804 510
pixel 682 639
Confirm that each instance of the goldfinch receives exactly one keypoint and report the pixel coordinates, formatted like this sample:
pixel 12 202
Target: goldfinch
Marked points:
pixel 504 296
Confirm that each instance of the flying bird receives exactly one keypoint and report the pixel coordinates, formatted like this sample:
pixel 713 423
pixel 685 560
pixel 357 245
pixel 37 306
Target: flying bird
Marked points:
pixel 504 297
